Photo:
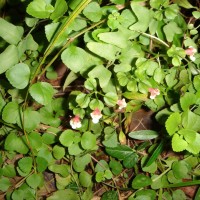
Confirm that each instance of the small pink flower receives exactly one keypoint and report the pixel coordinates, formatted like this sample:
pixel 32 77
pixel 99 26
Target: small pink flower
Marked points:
pixel 154 92
pixel 121 103
pixel 96 115
pixel 75 122
pixel 190 52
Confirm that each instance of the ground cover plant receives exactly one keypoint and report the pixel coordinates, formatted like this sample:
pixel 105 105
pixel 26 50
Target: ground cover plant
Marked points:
pixel 74 74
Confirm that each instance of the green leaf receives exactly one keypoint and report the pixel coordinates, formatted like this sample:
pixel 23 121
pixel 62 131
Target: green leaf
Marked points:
pixel 189 135
pixel 116 38
pixel 67 137
pixel 42 92
pixel 59 10
pixel 180 169
pixel 41 164
pixel 39 9
pixel 29 120
pixel 11 112
pixel 142 19
pixel 9 170
pixel 88 141
pixel 102 74
pixel 141 181
pixel 61 169
pixel 93 12
pixel 178 143
pixel 62 194
pixel 170 30
pixel 191 120
pixel 10 33
pixel 80 163
pixel 179 195
pixel 34 180
pixel 188 100
pixel 111 98
pixel 4 184
pixel 110 195
pixel 120 152
pixel 83 100
pixel 184 3
pixel 25 164
pixel 8 58
pixel 35 140
pixel 15 143
pixel 85 179
pixel 75 149
pixel 143 135
pixel 74 58
pixel 58 152
pixel 173 122
pixel 18 75
pixel 116 167
pixel 130 161
pixel 107 51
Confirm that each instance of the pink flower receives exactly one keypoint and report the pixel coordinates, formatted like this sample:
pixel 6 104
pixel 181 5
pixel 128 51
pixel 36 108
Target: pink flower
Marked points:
pixel 190 52
pixel 75 122
pixel 96 115
pixel 121 103
pixel 154 92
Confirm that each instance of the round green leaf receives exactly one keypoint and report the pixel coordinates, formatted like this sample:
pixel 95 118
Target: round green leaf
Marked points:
pixel 74 58
pixel 80 163
pixel 18 75
pixel 11 112
pixel 111 98
pixel 9 170
pixel 85 179
pixel 88 140
pixel 141 181
pixel 42 92
pixel 34 180
pixel 180 169
pixel 58 152
pixel 4 184
pixel 39 9
pixel 66 138
pixel 83 100
pixel 74 149
pixel 25 164
pixel 93 12
pixel 95 103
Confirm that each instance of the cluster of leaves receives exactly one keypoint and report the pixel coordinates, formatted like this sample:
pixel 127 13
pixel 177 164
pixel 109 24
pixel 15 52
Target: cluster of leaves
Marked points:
pixel 120 50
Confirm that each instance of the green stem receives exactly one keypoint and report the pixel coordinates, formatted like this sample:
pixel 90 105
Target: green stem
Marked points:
pixel 183 184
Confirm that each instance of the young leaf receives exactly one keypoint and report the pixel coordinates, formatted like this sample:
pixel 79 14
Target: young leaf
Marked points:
pixel 8 58
pixel 172 123
pixel 10 33
pixel 93 12
pixel 18 75
pixel 143 135
pixel 42 92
